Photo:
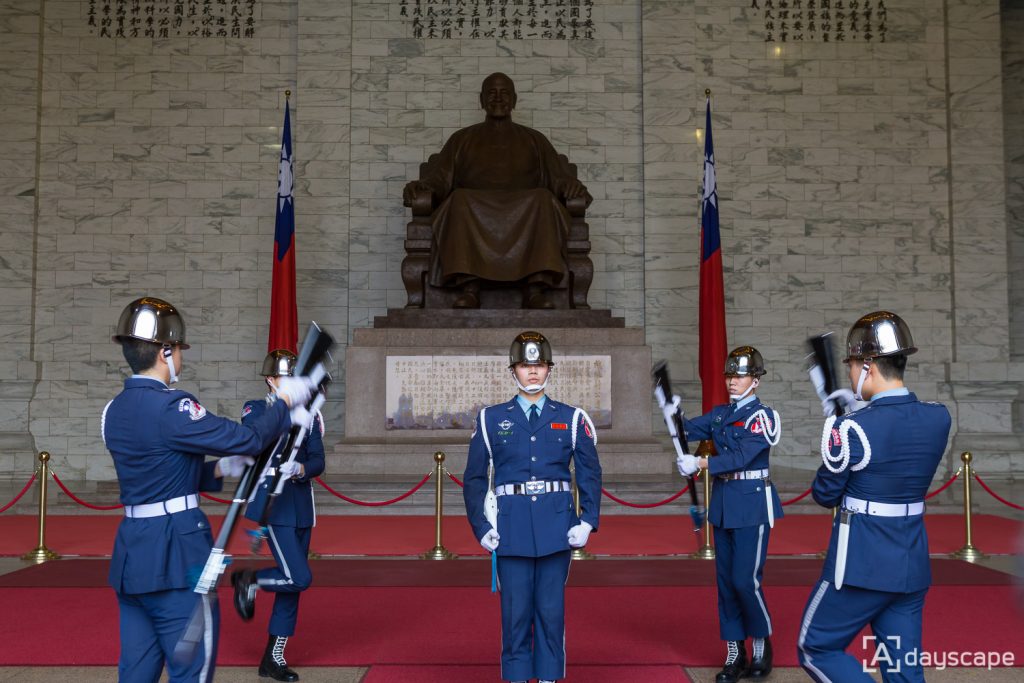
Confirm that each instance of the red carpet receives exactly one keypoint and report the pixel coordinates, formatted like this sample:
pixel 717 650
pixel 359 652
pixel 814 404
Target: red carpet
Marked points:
pixel 426 626
pixel 473 573
pixel 475 674
pixel 622 535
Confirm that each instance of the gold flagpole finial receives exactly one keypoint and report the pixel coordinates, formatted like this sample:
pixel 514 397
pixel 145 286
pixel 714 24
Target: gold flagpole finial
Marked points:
pixel 707 92
pixel 287 94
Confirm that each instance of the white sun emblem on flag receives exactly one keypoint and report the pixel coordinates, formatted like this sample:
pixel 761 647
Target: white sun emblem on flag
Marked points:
pixel 710 185
pixel 285 179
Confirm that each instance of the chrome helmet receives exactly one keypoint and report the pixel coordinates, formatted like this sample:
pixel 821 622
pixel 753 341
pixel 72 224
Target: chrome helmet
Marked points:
pixel 744 361
pixel 879 334
pixel 152 320
pixel 279 363
pixel 531 348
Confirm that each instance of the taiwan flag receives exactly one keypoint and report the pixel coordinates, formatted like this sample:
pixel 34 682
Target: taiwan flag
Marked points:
pixel 712 345
pixel 284 317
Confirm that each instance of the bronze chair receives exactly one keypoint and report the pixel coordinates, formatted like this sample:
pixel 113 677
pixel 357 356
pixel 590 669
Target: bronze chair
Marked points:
pixel 418 243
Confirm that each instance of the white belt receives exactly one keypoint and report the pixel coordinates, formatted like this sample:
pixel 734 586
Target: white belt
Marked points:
pixel 867 507
pixel 531 488
pixel 167 507
pixel 745 474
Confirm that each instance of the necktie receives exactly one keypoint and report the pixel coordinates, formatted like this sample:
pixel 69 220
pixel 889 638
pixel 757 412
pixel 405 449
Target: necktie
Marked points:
pixel 533 415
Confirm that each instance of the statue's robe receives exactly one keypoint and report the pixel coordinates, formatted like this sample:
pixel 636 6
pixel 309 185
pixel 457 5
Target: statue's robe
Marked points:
pixel 499 217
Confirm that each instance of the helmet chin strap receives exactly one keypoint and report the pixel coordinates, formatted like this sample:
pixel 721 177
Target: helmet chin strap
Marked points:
pixel 531 388
pixel 168 352
pixel 735 398
pixel 860 380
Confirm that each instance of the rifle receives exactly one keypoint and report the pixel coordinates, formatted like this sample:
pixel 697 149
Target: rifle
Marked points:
pixel 674 422
pixel 310 364
pixel 824 370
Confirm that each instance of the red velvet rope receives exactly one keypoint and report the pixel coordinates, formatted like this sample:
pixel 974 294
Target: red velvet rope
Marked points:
pixel 450 476
pixel 79 500
pixel 646 505
pixel 21 493
pixel 943 487
pixel 996 495
pixel 798 498
pixel 207 496
pixel 405 495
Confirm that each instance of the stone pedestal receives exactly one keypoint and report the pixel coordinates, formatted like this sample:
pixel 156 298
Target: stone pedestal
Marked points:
pixel 369 448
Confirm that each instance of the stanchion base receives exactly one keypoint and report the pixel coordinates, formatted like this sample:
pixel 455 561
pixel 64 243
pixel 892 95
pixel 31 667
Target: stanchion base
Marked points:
pixel 706 552
pixel 581 554
pixel 313 555
pixel 438 552
pixel 968 554
pixel 40 555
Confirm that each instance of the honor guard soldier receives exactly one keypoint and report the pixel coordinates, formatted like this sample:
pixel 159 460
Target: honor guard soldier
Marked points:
pixel 523 449
pixel 289 527
pixel 743 509
pixel 158 438
pixel 877 465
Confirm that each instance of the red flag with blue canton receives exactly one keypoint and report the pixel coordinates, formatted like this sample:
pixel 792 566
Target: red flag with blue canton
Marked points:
pixel 711 329
pixel 284 317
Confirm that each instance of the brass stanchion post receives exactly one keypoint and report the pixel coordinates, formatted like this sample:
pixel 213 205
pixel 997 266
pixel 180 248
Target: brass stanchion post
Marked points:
pixel 42 553
pixel 578 553
pixel 968 553
pixel 706 449
pixel 438 552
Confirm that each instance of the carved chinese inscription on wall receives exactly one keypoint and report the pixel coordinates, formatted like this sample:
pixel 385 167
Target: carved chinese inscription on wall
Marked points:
pixel 826 21
pixel 172 18
pixel 447 392
pixel 500 19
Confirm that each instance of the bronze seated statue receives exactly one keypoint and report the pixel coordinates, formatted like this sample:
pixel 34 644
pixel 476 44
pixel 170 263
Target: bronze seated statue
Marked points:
pixel 498 218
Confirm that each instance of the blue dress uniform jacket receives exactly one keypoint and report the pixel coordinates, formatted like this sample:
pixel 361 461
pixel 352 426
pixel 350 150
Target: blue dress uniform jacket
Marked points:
pixel 907 439
pixel 741 502
pixel 294 507
pixel 533 552
pixel 289 526
pixel 532 528
pixel 158 438
pixel 887 570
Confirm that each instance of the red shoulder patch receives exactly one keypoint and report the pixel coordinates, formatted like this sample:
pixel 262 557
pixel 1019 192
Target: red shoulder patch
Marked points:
pixel 835 440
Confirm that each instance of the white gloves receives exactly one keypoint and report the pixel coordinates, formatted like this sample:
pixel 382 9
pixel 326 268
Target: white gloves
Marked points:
pixel 579 534
pixel 842 396
pixel 234 465
pixel 291 469
pixel 490 540
pixel 294 390
pixel 687 464
pixel 301 416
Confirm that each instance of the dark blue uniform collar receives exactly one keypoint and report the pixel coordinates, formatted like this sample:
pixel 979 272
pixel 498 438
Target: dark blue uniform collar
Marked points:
pixel 893 399
pixel 137 381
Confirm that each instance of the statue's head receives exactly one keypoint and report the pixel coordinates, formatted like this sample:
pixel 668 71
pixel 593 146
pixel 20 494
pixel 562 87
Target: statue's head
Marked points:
pixel 498 96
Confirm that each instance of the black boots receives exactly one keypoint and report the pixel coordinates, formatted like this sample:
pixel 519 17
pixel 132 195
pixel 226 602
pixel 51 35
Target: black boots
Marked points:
pixel 761 660
pixel 273 664
pixel 244 581
pixel 735 663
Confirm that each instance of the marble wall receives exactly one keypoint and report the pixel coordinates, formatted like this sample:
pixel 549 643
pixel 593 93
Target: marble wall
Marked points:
pixel 852 176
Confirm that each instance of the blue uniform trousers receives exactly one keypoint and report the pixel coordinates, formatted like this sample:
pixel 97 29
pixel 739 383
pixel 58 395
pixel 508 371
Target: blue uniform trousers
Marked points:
pixel 152 624
pixel 739 562
pixel 833 618
pixel 533 615
pixel 291 576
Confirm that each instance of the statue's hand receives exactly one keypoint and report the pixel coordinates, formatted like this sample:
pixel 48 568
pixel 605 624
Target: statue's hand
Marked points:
pixel 413 189
pixel 571 189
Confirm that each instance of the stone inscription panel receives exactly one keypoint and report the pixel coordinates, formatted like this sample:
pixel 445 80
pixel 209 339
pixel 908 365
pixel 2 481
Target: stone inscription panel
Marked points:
pixel 447 392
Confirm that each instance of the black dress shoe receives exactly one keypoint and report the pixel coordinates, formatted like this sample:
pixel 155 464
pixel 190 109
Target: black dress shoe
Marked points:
pixel 735 663
pixel 762 666
pixel 540 300
pixel 244 582
pixel 273 664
